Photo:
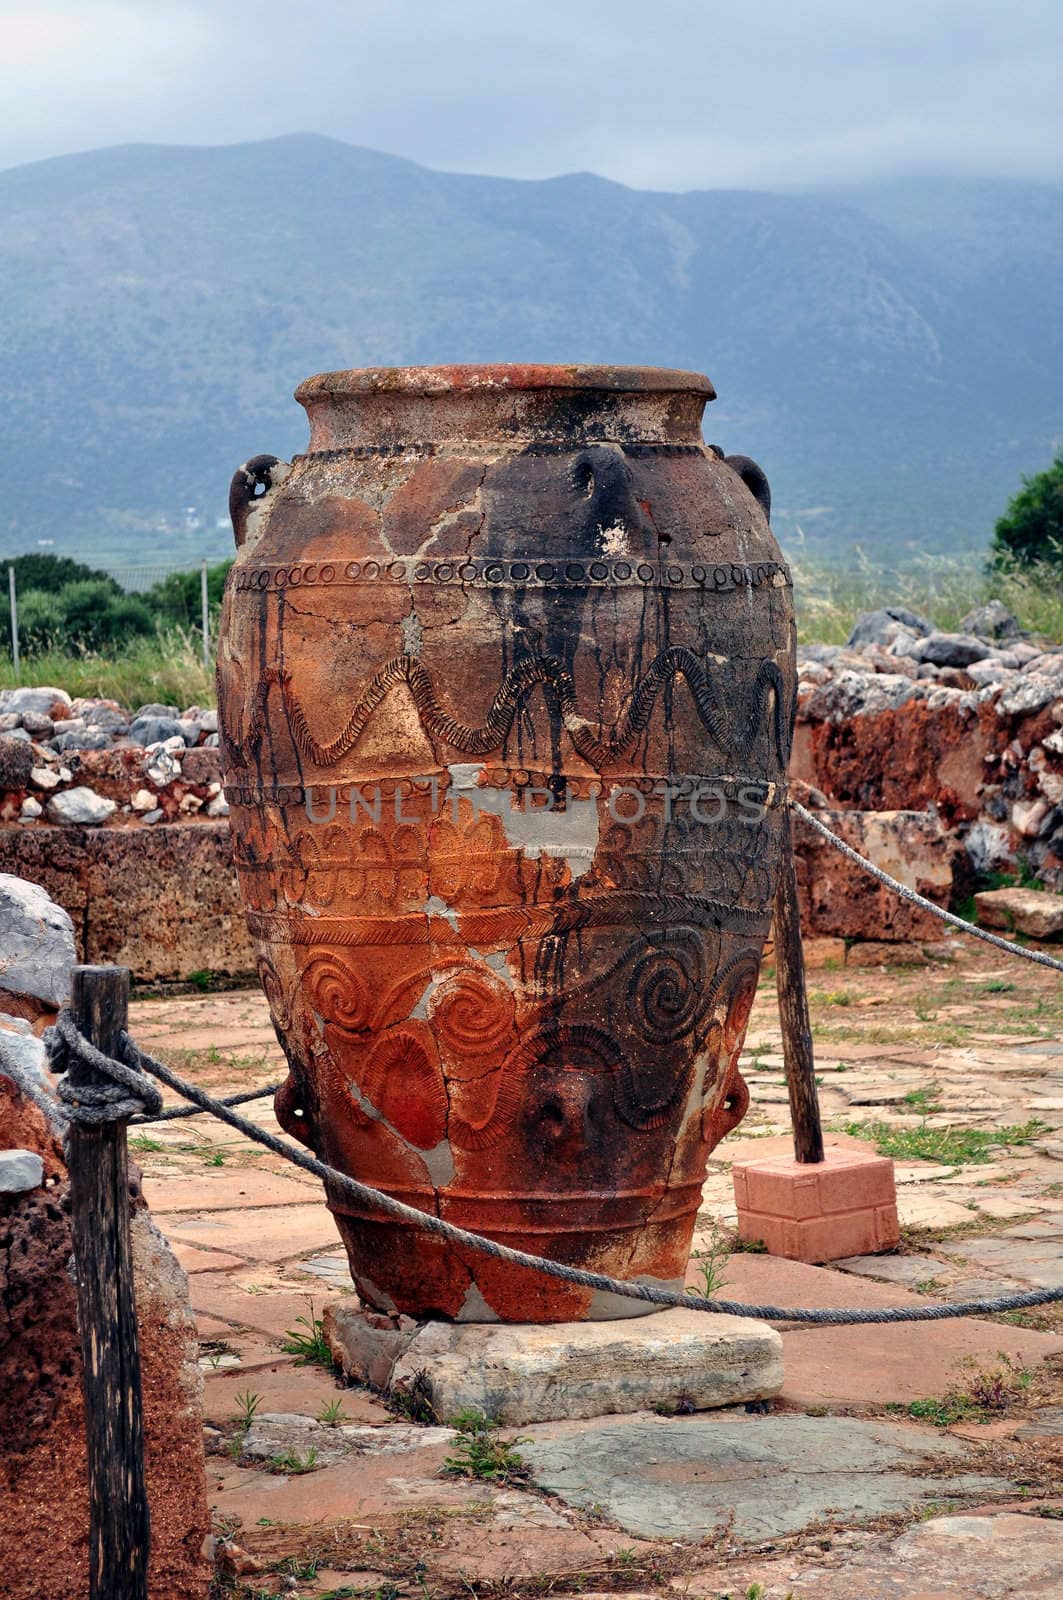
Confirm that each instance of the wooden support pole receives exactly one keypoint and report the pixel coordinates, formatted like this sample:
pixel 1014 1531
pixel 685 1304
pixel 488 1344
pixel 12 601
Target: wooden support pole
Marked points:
pixel 793 1009
pixel 97 1157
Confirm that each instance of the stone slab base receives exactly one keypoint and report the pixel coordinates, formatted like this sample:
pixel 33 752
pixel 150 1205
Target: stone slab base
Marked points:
pixel 525 1372
pixel 845 1205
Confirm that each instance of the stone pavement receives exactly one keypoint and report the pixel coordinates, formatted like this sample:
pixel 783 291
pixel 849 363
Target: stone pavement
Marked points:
pixel 841 1492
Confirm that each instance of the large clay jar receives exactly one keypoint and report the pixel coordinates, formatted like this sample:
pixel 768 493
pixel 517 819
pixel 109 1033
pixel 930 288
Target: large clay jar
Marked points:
pixel 506 685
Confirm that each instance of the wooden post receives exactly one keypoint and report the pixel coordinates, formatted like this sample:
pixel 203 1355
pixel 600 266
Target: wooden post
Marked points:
pixel 793 1009
pixel 119 1531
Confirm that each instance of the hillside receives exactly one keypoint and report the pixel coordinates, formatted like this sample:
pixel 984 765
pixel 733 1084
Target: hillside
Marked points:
pixel 891 355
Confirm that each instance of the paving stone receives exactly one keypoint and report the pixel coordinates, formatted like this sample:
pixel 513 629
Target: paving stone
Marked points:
pixel 194 1259
pixel 920 1172
pixel 332 1269
pixel 1002 1208
pixel 960 1289
pixel 685 1478
pixel 1037 1263
pixel 1047 1423
pixel 274 1434
pixel 907 1270
pixel 1000 1556
pixel 266 1233
pixel 921 1210
pixel 875 1364
pixel 361 1488
pixel 1046 1227
pixel 249 1299
pixel 284 1387
pixel 233 1190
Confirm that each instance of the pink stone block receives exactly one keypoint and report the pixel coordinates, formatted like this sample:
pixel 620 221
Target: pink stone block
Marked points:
pixel 845 1205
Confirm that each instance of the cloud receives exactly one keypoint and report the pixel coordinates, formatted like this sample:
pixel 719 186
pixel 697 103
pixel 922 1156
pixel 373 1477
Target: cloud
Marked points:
pixel 682 93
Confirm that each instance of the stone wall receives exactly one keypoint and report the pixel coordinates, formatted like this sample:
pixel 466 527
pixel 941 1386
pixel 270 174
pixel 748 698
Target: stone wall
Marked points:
pixel 162 901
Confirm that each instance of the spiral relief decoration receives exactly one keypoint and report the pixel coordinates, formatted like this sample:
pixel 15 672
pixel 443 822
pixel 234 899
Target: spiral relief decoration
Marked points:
pixel 472 1013
pixel 667 988
pixel 337 993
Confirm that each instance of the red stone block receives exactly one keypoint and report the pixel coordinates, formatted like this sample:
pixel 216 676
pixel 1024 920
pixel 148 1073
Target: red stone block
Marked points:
pixel 845 1205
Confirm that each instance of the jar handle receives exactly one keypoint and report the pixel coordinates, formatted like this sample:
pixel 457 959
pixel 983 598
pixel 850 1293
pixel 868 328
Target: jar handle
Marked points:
pixel 252 483
pixel 754 478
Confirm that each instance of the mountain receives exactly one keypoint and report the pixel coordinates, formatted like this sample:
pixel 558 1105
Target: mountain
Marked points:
pixel 891 354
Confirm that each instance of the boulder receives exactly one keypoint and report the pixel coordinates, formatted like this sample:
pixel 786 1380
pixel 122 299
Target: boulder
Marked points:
pixel 37 724
pixel 952 649
pixel 151 729
pixel 839 898
pixel 851 694
pixel 20 1171
pixel 989 848
pixel 991 621
pixel 16 761
pixel 993 670
pixel 36 945
pixel 1030 911
pixel 874 627
pixel 21 1052
pixel 1029 692
pixel 106 716
pixel 79 807
pixel 155 710
pixel 50 702
pixel 87 739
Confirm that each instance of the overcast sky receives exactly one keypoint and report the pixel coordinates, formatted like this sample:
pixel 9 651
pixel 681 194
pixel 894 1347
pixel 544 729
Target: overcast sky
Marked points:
pixel 657 93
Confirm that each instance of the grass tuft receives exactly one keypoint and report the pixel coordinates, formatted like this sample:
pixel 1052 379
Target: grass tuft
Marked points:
pixel 949 1147
pixel 307 1342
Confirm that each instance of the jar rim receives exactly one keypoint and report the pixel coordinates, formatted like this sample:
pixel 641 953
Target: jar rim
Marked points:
pixel 501 378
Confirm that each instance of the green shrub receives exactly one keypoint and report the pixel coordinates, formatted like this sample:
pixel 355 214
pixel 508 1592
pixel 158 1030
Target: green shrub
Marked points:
pixel 1031 529
pixel 178 597
pixel 49 574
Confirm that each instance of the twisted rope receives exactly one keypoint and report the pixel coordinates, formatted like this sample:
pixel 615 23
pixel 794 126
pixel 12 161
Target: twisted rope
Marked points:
pixel 173 1112
pixel 920 900
pixel 124 1092
pixel 133 1059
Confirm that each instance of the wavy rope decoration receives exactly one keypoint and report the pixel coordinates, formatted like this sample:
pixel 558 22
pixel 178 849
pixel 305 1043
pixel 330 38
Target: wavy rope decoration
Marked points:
pixel 678 661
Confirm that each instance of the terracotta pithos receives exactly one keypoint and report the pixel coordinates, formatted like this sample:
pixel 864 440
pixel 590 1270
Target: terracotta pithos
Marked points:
pixel 506 683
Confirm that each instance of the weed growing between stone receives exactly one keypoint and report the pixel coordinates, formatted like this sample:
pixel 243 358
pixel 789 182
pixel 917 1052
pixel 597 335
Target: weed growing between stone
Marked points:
pixel 293 1464
pixel 710 1264
pixel 310 1347
pixel 332 1414
pixel 480 1453
pixel 989 1393
pixel 413 1402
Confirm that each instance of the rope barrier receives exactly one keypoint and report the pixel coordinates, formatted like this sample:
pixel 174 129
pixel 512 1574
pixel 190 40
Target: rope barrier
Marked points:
pixel 125 1076
pixel 916 899
pixel 173 1112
